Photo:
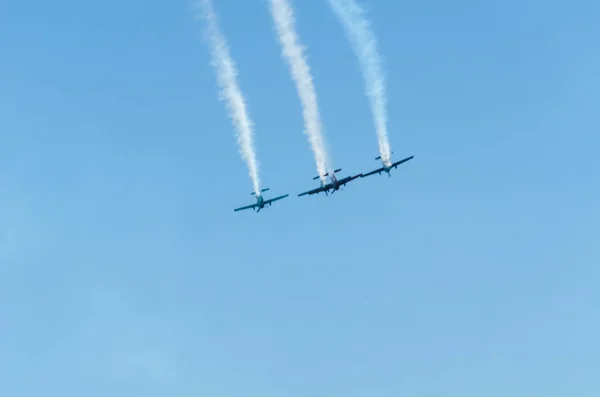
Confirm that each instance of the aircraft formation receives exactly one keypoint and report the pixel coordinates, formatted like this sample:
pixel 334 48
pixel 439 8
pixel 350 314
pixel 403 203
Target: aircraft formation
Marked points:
pixel 357 29
pixel 329 187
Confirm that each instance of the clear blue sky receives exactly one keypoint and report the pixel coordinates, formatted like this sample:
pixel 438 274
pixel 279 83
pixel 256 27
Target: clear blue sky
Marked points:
pixel 472 271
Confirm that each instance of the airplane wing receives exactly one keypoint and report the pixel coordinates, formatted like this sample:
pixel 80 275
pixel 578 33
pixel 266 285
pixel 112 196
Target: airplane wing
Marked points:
pixel 347 179
pixel 275 199
pixel 396 164
pixel 315 191
pixel 246 207
pixel 373 172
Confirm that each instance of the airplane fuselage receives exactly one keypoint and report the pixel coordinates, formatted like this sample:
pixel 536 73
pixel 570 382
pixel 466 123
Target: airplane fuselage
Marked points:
pixel 334 185
pixel 260 201
pixel 386 168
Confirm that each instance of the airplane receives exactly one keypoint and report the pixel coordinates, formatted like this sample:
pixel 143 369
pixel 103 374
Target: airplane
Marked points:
pixel 386 168
pixel 260 202
pixel 334 185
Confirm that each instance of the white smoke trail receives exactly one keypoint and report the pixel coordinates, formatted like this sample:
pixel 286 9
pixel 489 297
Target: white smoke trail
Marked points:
pixel 293 52
pixel 365 46
pixel 230 91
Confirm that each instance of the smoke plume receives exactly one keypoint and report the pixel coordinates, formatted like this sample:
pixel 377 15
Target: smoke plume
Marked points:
pixel 363 41
pixel 293 53
pixel 230 91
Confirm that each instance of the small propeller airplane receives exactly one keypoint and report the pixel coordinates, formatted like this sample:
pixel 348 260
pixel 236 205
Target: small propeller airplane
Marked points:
pixel 386 168
pixel 260 202
pixel 332 186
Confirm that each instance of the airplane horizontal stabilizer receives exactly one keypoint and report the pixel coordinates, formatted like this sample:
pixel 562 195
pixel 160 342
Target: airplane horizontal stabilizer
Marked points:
pixel 262 191
pixel 379 157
